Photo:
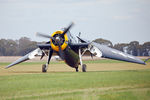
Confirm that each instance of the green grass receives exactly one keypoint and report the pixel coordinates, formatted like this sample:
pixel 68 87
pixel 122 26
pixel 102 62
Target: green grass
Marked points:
pixel 106 85
pixel 127 95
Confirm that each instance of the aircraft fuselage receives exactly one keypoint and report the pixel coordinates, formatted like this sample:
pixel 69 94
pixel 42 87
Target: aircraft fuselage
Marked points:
pixel 70 57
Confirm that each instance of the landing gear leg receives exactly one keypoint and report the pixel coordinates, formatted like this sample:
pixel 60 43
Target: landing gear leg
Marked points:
pixel 45 66
pixel 82 65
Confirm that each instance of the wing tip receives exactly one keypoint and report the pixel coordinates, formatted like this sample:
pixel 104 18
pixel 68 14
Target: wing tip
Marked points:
pixel 142 62
pixel 8 66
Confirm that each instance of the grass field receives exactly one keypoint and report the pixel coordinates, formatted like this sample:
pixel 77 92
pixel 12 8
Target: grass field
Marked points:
pixel 105 80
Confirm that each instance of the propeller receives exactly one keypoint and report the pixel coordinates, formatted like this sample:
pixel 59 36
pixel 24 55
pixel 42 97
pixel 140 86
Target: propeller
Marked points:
pixel 67 29
pixel 44 35
pixel 57 39
pixel 61 54
pixel 59 45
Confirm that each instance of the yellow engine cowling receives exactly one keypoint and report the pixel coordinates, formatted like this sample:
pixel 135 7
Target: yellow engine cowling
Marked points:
pixel 63 46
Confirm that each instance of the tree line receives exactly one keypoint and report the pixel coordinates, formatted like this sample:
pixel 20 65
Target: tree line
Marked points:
pixel 9 47
pixel 24 45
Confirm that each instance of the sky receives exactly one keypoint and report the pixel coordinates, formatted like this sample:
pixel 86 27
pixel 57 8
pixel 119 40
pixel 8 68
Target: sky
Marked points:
pixel 120 21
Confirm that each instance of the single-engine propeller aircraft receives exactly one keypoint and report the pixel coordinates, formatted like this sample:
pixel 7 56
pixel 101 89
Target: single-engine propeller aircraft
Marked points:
pixel 64 44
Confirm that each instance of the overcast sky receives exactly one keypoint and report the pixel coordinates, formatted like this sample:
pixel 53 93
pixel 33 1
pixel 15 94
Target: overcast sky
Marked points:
pixel 119 21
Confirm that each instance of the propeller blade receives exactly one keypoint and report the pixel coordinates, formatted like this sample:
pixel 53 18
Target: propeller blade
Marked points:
pixel 43 35
pixel 67 29
pixel 60 52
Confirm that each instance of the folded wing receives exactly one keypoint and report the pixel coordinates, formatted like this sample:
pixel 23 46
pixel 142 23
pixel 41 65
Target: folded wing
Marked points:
pixel 28 56
pixel 111 53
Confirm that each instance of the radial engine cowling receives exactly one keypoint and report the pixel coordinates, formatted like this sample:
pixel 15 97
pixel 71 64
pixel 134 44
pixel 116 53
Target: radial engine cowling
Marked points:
pixel 59 40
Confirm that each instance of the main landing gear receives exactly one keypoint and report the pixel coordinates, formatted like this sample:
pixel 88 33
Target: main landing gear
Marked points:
pixel 84 68
pixel 44 68
pixel 82 65
pixel 77 69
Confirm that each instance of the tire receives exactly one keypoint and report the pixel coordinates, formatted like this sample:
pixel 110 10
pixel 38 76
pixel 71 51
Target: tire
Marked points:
pixel 44 68
pixel 77 70
pixel 84 68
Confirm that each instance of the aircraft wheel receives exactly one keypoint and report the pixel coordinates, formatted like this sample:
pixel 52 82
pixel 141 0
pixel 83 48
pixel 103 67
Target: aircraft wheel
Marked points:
pixel 44 68
pixel 76 69
pixel 84 68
